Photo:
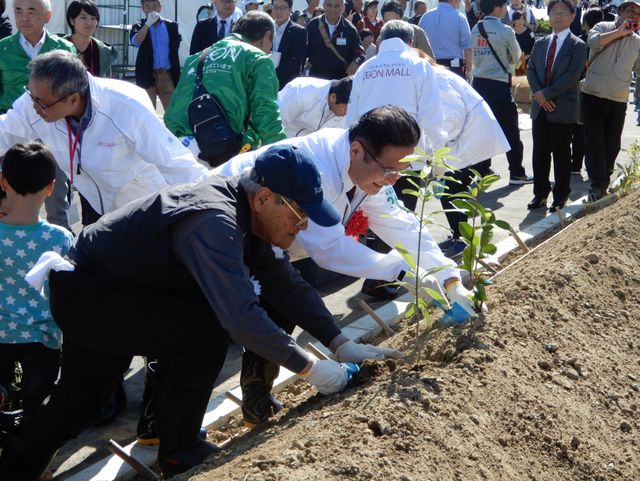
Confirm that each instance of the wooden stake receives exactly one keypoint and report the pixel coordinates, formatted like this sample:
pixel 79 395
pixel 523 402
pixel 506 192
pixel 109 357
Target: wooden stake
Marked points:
pixel 316 352
pixel 519 240
pixel 140 468
pixel 385 327
pixel 487 266
pixel 563 224
pixel 232 397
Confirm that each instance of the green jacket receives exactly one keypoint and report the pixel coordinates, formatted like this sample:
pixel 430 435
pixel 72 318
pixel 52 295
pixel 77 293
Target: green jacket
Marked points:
pixel 243 79
pixel 14 73
pixel 107 55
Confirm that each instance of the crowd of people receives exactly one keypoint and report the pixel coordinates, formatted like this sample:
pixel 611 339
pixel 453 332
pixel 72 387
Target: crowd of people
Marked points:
pixel 280 128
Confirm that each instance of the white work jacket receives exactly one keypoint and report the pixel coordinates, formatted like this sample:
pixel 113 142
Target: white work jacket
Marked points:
pixel 473 133
pixel 125 152
pixel 398 77
pixel 304 106
pixel 329 247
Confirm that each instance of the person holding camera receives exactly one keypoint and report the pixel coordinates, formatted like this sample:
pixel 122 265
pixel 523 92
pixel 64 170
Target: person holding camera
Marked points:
pixel 614 50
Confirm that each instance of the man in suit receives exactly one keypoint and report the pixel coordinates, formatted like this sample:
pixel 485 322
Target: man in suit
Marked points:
pixel 289 43
pixel 334 44
pixel 555 67
pixel 209 31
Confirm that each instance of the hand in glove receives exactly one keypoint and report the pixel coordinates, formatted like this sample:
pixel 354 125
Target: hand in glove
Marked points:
pixel 152 18
pixel 428 287
pixel 462 306
pixel 328 377
pixel 352 352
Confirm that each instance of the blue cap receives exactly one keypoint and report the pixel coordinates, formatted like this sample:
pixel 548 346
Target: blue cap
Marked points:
pixel 289 171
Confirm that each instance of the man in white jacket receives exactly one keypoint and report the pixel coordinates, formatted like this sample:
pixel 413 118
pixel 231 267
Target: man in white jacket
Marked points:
pixel 358 167
pixel 308 104
pixel 103 133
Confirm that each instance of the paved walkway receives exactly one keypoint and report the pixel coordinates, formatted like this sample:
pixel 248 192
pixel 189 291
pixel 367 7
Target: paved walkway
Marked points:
pixel 341 297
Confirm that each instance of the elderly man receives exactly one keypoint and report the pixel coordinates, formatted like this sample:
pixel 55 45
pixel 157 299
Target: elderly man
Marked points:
pixel 614 48
pixel 334 44
pixel 199 257
pixel 450 37
pixel 103 133
pixel 358 168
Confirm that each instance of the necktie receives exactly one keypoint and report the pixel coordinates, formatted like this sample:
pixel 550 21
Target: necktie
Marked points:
pixel 222 30
pixel 550 56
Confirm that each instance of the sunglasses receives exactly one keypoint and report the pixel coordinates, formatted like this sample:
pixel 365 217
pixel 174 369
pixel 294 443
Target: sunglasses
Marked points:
pixel 301 220
pixel 40 104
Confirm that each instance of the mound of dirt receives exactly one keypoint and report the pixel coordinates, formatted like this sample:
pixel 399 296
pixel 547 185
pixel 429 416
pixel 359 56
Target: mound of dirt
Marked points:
pixel 545 386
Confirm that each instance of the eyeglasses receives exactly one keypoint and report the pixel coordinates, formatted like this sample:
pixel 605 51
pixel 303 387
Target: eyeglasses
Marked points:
pixel 40 104
pixel 559 14
pixel 387 171
pixel 279 8
pixel 302 220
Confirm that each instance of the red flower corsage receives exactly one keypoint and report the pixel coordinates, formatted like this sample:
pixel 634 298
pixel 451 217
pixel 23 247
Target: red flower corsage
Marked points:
pixel 357 225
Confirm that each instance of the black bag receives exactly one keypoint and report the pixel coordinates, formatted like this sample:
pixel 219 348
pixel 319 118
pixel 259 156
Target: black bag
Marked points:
pixel 216 139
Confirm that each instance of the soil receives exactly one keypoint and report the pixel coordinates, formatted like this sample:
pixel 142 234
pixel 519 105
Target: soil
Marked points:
pixel 545 386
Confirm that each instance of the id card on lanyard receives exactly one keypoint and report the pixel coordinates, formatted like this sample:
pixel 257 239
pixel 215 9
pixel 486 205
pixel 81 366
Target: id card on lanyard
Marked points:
pixel 73 147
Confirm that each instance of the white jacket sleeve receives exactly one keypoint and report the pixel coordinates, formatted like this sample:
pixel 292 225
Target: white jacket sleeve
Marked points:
pixel 289 112
pixel 353 109
pixel 430 115
pixel 394 225
pixel 331 249
pixel 15 125
pixel 156 145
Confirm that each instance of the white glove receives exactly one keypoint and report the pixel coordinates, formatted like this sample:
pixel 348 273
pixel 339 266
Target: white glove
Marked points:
pixel 152 18
pixel 328 376
pixel 352 352
pixel 40 272
pixel 460 295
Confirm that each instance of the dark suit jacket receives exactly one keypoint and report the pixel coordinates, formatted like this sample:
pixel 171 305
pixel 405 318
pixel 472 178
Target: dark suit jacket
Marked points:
pixel 563 87
pixel 204 35
pixel 324 63
pixel 144 60
pixel 293 47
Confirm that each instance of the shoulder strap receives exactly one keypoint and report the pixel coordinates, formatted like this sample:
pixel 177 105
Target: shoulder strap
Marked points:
pixel 483 32
pixel 327 41
pixel 597 54
pixel 199 88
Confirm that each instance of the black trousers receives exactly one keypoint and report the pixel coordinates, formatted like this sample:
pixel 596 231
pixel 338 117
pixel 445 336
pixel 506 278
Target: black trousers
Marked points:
pixel 603 123
pixel 551 138
pixel 577 148
pixel 104 325
pixel 40 367
pixel 498 96
pixel 463 176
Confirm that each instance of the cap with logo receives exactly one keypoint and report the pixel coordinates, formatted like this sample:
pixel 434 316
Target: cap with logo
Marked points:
pixel 289 171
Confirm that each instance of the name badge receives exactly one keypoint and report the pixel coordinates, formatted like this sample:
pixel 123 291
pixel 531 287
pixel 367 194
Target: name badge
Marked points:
pixel 341 41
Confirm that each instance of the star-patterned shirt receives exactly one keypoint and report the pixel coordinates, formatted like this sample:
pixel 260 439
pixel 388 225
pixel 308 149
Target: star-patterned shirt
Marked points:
pixel 24 313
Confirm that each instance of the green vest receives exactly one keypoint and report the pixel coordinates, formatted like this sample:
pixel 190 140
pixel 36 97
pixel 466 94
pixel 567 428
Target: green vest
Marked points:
pixel 14 61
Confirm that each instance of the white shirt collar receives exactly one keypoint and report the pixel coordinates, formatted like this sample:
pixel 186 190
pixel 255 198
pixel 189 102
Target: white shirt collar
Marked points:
pixel 393 45
pixel 229 19
pixel 33 50
pixel 561 35
pixel 280 28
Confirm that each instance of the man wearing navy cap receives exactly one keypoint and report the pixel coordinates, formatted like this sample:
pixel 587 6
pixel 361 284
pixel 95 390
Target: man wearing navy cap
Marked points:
pixel 173 276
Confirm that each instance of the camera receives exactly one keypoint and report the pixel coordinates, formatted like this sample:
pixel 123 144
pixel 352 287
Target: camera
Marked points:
pixel 632 25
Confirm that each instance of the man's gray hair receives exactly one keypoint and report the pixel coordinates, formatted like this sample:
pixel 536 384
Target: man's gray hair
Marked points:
pixel 247 181
pixel 397 29
pixel 64 70
pixel 46 4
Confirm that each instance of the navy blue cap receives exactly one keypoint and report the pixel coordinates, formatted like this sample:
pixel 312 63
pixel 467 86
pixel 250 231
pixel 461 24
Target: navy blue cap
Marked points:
pixel 289 171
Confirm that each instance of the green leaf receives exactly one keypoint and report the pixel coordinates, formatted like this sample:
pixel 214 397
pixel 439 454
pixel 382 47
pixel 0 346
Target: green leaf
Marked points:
pixel 486 235
pixel 489 249
pixel 411 308
pixel 406 255
pixel 435 295
pixel 466 230
pixel 504 225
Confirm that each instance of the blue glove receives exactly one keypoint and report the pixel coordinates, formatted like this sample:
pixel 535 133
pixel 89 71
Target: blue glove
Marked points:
pixel 454 316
